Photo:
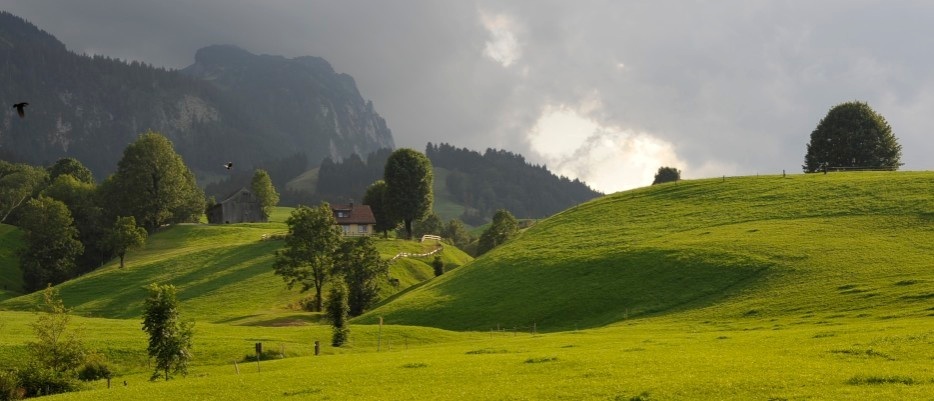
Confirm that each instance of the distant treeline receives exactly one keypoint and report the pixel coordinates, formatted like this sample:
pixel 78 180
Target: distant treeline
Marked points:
pixel 498 179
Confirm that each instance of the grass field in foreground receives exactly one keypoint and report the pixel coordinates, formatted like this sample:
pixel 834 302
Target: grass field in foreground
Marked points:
pixel 657 358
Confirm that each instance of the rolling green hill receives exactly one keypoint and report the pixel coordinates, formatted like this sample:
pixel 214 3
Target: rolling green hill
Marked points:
pixel 223 272
pixel 837 245
pixel 806 287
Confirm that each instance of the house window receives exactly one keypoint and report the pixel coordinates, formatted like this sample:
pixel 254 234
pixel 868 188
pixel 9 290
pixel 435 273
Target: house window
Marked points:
pixel 342 214
pixel 362 229
pixel 346 229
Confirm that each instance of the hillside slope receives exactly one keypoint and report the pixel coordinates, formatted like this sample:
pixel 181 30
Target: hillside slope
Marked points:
pixel 223 273
pixel 847 244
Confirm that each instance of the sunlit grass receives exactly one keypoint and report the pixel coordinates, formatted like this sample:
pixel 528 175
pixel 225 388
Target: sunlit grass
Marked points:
pixel 715 248
pixel 802 287
pixel 659 357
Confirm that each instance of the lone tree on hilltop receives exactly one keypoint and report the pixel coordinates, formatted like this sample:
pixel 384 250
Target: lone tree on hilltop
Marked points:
pixel 666 174
pixel 409 178
pixel 308 256
pixel 169 337
pixel 852 135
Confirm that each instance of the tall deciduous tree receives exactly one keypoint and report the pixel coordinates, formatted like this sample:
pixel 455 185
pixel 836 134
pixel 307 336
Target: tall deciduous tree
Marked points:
pixel 83 203
pixel 376 198
pixel 666 174
pixel 264 191
pixel 153 184
pixel 308 256
pixel 359 263
pixel 125 235
pixel 503 228
pixel 852 135
pixel 169 336
pixel 51 243
pixel 18 183
pixel 409 179
pixel 72 167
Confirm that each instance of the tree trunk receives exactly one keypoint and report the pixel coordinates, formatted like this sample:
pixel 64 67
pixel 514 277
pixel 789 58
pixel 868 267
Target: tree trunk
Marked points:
pixel 318 298
pixel 121 259
pixel 408 228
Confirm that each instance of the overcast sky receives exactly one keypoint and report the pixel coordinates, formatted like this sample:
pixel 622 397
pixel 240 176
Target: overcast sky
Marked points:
pixel 605 91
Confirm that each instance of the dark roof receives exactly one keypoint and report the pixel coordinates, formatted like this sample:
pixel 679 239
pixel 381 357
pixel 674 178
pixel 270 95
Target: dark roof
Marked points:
pixel 356 214
pixel 235 193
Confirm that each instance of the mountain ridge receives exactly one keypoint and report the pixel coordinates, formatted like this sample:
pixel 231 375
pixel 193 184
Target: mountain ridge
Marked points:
pixel 91 107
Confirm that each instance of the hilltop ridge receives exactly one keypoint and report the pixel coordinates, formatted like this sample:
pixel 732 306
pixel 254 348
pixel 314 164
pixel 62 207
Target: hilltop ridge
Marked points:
pixel 838 244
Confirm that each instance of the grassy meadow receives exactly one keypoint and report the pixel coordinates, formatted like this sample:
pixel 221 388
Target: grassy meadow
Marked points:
pixel 805 287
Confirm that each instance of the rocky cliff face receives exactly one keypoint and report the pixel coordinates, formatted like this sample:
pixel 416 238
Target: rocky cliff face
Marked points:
pixel 229 106
pixel 302 99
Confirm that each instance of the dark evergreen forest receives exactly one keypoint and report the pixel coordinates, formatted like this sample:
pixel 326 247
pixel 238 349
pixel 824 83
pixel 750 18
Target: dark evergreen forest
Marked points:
pixel 498 179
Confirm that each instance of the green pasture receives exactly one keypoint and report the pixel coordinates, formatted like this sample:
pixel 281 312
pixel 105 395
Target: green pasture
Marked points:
pixel 223 273
pixel 655 358
pixel 804 287
pixel 846 244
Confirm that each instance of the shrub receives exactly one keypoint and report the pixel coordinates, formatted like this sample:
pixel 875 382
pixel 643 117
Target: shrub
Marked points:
pixel 38 381
pixel 265 355
pixel 10 388
pixel 94 370
pixel 438 265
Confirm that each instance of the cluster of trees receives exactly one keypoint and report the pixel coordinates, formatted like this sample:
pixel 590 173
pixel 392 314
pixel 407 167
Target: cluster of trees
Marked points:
pixel 316 254
pixel 498 179
pixel 73 225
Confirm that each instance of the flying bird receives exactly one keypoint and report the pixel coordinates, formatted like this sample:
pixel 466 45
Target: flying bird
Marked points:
pixel 19 109
pixel 228 165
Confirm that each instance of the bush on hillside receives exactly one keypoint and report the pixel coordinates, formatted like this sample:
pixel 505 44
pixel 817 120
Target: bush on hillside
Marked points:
pixel 10 388
pixel 94 370
pixel 266 355
pixel 39 381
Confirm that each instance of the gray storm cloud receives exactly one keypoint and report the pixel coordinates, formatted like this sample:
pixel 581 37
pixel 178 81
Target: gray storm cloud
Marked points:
pixel 725 87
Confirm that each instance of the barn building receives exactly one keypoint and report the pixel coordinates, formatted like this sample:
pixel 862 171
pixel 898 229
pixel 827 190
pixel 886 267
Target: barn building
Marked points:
pixel 240 207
